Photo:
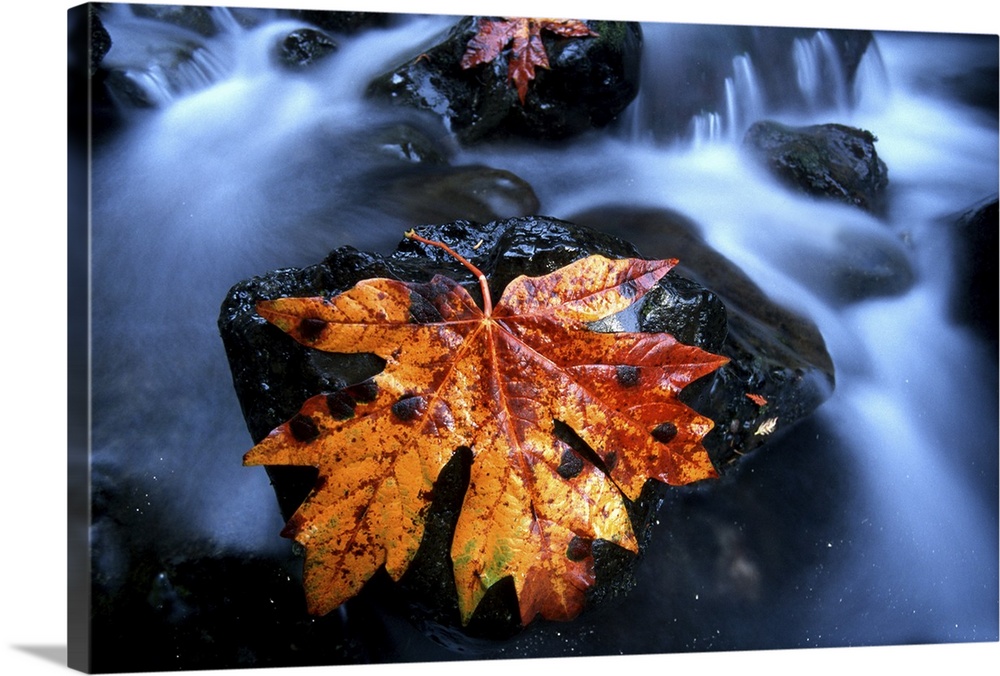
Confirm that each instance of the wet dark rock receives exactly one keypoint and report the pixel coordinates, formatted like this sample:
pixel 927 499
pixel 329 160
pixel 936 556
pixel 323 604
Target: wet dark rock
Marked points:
pixel 91 110
pixel 100 40
pixel 974 298
pixel 590 81
pixel 273 375
pixel 832 161
pixel 304 47
pixel 774 352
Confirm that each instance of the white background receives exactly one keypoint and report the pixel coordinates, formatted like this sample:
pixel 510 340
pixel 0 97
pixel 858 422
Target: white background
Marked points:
pixel 33 446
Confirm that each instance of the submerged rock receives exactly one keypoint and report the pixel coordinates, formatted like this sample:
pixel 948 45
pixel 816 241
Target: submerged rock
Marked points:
pixel 273 375
pixel 406 142
pixel 411 178
pixel 445 193
pixel 303 47
pixel 832 161
pixel 855 266
pixel 590 81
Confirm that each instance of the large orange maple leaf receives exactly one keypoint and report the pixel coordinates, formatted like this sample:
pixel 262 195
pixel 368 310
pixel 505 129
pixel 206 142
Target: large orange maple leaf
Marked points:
pixel 527 51
pixel 495 380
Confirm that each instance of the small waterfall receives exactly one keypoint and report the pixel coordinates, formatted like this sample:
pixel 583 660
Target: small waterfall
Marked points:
pixel 819 73
pixel 871 81
pixel 202 69
pixel 744 97
pixel 703 85
pixel 179 62
pixel 743 105
pixel 706 128
pixel 224 20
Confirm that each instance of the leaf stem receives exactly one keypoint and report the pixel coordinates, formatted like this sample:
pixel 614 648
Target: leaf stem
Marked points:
pixel 483 285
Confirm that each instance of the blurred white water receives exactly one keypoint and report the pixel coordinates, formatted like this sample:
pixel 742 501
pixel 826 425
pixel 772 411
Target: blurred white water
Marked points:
pixel 245 168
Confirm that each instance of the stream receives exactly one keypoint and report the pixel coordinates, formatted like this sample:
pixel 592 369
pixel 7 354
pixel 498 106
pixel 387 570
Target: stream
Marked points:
pixel 873 522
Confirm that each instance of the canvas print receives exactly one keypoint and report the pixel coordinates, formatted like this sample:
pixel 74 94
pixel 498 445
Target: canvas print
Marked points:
pixel 414 337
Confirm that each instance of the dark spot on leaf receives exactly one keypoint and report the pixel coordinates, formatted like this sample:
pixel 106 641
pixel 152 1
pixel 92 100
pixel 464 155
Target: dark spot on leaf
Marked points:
pixel 627 376
pixel 665 432
pixel 303 428
pixel 579 548
pixel 610 459
pixel 341 405
pixel 310 328
pixel 364 392
pixel 409 407
pixel 567 435
pixel 570 465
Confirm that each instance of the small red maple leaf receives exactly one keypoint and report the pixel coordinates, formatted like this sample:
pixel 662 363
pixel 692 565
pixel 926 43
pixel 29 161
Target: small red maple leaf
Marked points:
pixel 527 49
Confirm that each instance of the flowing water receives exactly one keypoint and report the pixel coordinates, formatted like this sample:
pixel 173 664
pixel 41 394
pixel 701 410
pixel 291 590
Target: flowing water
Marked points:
pixel 243 167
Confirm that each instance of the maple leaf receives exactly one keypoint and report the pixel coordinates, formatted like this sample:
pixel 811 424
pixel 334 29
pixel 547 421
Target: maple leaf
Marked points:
pixel 494 380
pixel 527 49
